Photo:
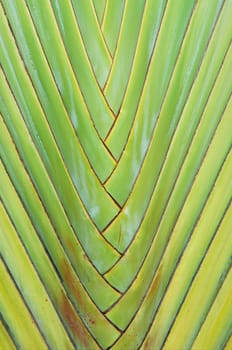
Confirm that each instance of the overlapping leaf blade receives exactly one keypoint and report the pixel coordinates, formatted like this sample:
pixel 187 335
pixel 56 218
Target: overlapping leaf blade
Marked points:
pixel 115 149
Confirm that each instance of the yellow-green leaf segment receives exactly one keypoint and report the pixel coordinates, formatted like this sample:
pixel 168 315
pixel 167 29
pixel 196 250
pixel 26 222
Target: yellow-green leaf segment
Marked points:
pixel 115 174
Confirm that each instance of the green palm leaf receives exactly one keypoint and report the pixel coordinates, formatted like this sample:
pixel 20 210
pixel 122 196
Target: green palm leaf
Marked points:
pixel 115 174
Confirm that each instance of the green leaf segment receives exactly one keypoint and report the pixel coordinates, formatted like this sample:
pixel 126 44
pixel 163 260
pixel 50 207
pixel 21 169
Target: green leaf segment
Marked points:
pixel 115 174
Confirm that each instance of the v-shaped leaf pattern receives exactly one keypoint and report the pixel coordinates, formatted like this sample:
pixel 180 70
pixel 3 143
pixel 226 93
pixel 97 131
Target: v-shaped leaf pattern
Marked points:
pixel 115 150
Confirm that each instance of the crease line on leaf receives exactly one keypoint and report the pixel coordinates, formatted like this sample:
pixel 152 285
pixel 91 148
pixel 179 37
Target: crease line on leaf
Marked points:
pixel 127 91
pixel 77 85
pixel 132 129
pixel 180 118
pixel 65 283
pixel 58 196
pixel 28 78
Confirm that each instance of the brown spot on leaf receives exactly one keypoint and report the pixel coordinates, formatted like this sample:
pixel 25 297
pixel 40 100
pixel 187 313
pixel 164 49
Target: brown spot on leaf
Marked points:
pixel 92 321
pixel 85 256
pixel 73 321
pixel 71 282
pixel 75 291
pixel 153 294
pixel 155 284
pixel 70 245
pixel 149 344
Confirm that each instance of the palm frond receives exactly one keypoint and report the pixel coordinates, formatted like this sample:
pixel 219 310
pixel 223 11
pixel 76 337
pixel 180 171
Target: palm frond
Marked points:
pixel 115 174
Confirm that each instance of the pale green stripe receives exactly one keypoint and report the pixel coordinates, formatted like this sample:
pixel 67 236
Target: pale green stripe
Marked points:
pixel 43 265
pixel 99 6
pixel 199 192
pixel 31 287
pixel 201 289
pixel 149 110
pixel 6 342
pixel 93 40
pixel 111 23
pixel 174 159
pixel 63 101
pixel 188 122
pixel 69 89
pixel 102 257
pixel 204 288
pixel 176 154
pixel 117 138
pixel 17 316
pixel 100 206
pixel 228 345
pixel 96 322
pixel 218 324
pixel 134 296
pixel 194 252
pixel 100 113
pixel 32 202
pixel 123 58
pixel 183 75
pixel 186 221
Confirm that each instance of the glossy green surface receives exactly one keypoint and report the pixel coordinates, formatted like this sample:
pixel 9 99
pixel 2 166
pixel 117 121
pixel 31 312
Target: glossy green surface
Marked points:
pixel 99 8
pixel 214 333
pixel 147 37
pixel 14 311
pixel 171 156
pixel 121 64
pixel 111 24
pixel 115 174
pixel 183 227
pixel 48 230
pixel 75 212
pixel 78 166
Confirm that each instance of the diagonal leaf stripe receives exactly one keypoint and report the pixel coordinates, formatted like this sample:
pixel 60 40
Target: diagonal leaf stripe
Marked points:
pixel 121 65
pixel 65 143
pixel 99 6
pixel 111 24
pixel 45 229
pixel 115 174
pixel 197 195
pixel 96 48
pixel 28 153
pixel 142 131
pixel 5 338
pixel 190 115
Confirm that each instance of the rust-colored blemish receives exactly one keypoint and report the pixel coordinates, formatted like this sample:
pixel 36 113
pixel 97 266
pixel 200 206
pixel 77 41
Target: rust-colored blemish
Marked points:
pixel 155 286
pixel 70 245
pixel 156 283
pixel 92 321
pixel 71 282
pixel 72 320
pixel 149 344
pixel 85 256
pixel 75 292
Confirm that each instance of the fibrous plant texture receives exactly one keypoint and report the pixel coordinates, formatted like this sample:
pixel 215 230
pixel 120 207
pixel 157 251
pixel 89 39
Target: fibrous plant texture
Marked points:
pixel 115 174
